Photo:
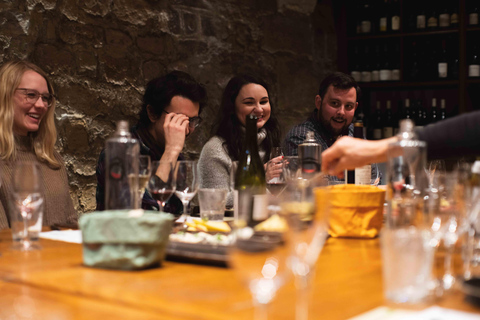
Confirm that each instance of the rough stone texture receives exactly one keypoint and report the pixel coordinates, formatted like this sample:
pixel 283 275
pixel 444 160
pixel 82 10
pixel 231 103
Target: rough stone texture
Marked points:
pixel 100 54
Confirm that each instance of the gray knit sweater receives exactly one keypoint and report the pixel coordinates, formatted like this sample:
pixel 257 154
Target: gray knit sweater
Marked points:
pixel 58 207
pixel 215 164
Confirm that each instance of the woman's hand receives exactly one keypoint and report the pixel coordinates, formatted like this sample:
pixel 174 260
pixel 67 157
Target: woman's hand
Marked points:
pixel 273 168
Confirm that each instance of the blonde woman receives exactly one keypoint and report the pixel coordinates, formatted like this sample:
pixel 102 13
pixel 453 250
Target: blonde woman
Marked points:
pixel 28 133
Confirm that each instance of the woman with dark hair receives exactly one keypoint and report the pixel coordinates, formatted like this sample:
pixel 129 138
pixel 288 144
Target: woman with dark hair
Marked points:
pixel 244 94
pixel 169 114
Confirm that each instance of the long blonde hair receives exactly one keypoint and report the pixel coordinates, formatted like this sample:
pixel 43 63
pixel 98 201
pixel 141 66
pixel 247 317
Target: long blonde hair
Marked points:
pixel 44 139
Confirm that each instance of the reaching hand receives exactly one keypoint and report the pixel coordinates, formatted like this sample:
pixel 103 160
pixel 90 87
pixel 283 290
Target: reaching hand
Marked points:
pixel 348 153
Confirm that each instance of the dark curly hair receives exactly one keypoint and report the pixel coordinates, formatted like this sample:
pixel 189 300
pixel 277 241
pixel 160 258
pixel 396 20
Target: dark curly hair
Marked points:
pixel 160 91
pixel 228 125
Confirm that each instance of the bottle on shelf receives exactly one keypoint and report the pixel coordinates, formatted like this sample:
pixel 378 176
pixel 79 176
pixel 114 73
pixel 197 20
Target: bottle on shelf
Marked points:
pixel 355 69
pixel 474 62
pixel 414 64
pixel 366 23
pixel 421 18
pixel 388 121
pixel 395 19
pixel 443 61
pixel 432 19
pixel 454 18
pixel 396 63
pixel 454 64
pixel 250 184
pixel 386 69
pixel 473 14
pixel 444 16
pixel 420 120
pixel 433 112
pixel 366 68
pixel 443 110
pixel 384 17
pixel 376 65
pixel 430 64
pixel 377 123
pixel 406 109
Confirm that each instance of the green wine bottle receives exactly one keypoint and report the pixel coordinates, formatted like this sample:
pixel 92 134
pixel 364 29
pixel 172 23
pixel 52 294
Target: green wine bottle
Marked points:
pixel 250 182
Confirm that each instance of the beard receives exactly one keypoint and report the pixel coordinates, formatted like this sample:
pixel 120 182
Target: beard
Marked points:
pixel 327 124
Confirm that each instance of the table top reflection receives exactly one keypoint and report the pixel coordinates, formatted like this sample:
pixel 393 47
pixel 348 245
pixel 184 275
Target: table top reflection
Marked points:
pixel 53 283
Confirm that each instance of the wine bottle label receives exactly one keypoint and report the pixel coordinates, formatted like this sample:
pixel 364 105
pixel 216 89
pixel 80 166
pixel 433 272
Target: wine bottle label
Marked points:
pixel 395 23
pixel 357 76
pixel 366 76
pixel 444 20
pixel 385 75
pixel 366 26
pixel 376 75
pixel 474 70
pixel 387 132
pixel 383 24
pixel 396 74
pixel 432 22
pixel 473 19
pixel 421 22
pixel 260 207
pixel 377 134
pixel 363 175
pixel 442 69
pixel 454 18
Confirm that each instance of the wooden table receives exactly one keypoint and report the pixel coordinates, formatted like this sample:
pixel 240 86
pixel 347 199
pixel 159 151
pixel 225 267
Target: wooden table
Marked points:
pixel 53 284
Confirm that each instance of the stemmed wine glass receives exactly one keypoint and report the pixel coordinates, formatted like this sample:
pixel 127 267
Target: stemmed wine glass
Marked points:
pixel 305 207
pixel 276 184
pixel 144 173
pixel 187 185
pixel 28 198
pixel 260 257
pixel 161 184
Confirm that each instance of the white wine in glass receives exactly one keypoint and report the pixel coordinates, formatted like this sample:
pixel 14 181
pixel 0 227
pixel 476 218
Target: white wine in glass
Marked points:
pixel 187 185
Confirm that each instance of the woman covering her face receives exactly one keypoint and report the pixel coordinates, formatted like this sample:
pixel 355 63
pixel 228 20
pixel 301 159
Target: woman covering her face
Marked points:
pixel 244 94
pixel 28 133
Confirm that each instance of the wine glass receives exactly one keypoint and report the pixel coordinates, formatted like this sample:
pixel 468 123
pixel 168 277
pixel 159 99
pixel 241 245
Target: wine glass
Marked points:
pixel 259 257
pixel 291 168
pixel 187 185
pixel 28 198
pixel 144 173
pixel 305 207
pixel 275 184
pixel 161 184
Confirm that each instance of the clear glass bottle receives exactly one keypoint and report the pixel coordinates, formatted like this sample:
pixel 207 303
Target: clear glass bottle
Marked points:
pixel 309 154
pixel 121 160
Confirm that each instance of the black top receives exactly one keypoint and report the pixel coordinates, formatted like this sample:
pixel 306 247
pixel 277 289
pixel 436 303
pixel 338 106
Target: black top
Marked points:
pixel 454 137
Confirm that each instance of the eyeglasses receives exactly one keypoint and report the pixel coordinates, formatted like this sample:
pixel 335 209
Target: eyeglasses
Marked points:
pixel 192 122
pixel 32 96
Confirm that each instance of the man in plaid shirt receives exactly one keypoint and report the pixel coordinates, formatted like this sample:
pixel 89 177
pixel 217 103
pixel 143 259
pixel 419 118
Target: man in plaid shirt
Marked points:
pixel 332 117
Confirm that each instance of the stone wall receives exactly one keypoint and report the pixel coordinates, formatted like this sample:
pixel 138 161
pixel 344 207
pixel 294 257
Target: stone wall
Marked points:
pixel 100 54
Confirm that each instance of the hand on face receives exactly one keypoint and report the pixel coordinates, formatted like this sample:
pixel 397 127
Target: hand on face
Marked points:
pixel 175 129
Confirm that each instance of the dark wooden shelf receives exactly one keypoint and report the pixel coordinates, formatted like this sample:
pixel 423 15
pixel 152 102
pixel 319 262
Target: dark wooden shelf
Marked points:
pixel 404 34
pixel 473 81
pixel 408 84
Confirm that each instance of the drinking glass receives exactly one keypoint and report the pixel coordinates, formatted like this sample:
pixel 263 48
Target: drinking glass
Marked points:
pixel 305 207
pixel 144 173
pixel 276 184
pixel 291 168
pixel 28 198
pixel 187 185
pixel 259 257
pixel 444 215
pixel 162 183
